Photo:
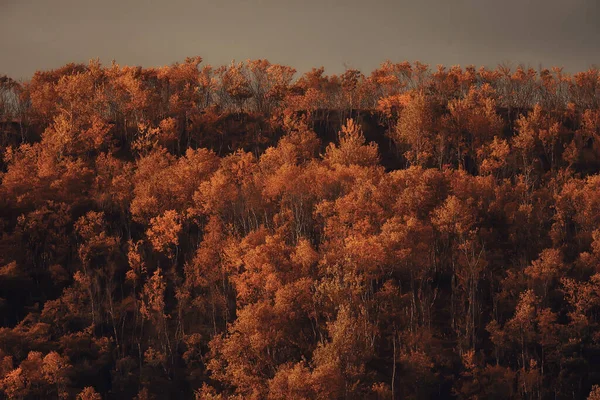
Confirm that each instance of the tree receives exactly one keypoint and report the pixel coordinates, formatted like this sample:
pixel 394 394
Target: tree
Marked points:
pixel 415 129
pixel 88 393
pixel 352 149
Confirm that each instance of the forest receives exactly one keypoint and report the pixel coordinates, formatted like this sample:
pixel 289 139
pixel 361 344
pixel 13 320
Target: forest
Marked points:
pixel 247 232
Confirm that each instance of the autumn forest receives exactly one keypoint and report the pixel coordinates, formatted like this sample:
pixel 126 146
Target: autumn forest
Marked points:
pixel 250 232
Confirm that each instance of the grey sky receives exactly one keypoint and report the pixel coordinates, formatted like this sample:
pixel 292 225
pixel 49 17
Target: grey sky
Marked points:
pixel 43 34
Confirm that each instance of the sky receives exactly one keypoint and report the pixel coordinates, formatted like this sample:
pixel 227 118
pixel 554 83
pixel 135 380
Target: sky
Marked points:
pixel 46 34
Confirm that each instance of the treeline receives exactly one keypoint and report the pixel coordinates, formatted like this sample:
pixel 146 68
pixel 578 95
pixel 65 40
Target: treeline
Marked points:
pixel 236 232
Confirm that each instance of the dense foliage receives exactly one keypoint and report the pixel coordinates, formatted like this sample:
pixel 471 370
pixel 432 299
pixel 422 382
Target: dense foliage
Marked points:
pixel 238 232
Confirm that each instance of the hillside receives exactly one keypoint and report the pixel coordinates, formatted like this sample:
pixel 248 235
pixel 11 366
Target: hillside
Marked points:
pixel 249 232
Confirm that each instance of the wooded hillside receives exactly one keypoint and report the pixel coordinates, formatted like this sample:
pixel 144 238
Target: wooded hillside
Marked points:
pixel 242 232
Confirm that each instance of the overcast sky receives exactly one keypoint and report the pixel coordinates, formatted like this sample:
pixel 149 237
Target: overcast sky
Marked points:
pixel 44 34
